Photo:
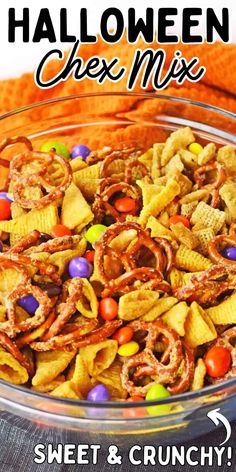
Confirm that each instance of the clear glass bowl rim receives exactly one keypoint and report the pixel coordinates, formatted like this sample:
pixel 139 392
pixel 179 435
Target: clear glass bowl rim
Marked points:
pixel 183 397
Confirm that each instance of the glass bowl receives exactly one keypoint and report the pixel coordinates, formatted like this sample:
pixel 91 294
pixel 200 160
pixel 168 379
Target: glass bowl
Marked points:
pixel 136 120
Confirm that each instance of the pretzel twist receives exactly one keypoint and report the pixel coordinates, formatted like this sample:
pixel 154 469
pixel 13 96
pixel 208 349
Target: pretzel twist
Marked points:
pixel 203 281
pixel 103 206
pixel 123 154
pixel 38 178
pixel 128 259
pixel 213 188
pixel 11 347
pixel 213 248
pixel 226 340
pixel 145 363
pixel 66 307
pixel 31 322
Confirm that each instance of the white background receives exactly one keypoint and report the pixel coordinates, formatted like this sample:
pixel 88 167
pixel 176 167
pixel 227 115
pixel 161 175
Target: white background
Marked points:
pixel 21 57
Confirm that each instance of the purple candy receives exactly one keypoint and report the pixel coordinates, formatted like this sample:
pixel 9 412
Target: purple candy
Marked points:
pixel 80 150
pixel 229 253
pixel 80 267
pixel 29 304
pixel 100 393
pixel 5 196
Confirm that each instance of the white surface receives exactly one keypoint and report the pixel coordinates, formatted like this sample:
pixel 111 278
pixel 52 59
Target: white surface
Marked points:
pixel 21 57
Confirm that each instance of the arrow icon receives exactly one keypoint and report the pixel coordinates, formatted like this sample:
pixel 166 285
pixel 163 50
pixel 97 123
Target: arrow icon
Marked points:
pixel 217 418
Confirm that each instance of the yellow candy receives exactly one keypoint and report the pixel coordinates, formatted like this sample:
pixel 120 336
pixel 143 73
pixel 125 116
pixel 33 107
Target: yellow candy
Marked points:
pixel 128 349
pixel 195 148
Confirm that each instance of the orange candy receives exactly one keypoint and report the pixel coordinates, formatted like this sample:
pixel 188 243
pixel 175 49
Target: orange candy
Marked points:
pixel 5 209
pixel 108 309
pixel 125 205
pixel 60 230
pixel 179 219
pixel 123 335
pixel 89 255
pixel 135 412
pixel 135 398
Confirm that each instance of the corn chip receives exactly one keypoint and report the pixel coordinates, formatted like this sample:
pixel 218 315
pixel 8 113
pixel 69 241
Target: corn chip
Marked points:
pixel 111 377
pixel 81 376
pixel 160 307
pixel 135 304
pixel 184 235
pixel 175 317
pixel 199 329
pixel 90 172
pixel 98 357
pixel 149 191
pixel 43 220
pixel 50 386
pixel 61 259
pixel 158 203
pixel 88 304
pixel 49 365
pixel 172 208
pixel 225 312
pixel 77 164
pixel 158 230
pixel 191 260
pixel 188 158
pixel 194 196
pixel 177 140
pixel 67 389
pixel 75 210
pixel 199 375
pixel 226 156
pixel 176 278
pixel 156 160
pixel 185 184
pixel 11 370
pixel 163 218
pixel 228 195
pixel 207 154
pixel 174 164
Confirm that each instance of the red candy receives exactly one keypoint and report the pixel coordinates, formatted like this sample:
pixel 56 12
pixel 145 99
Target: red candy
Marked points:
pixel 124 335
pixel 89 255
pixel 59 231
pixel 5 210
pixel 108 309
pixel 217 361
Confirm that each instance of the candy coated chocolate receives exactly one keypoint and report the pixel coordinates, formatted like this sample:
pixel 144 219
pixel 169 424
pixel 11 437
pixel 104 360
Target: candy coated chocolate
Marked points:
pixel 6 196
pixel 100 393
pixel 80 267
pixel 80 151
pixel 29 304
pixel 229 253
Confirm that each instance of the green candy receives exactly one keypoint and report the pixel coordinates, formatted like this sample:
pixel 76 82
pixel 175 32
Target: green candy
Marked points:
pixel 60 148
pixel 158 392
pixel 94 232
